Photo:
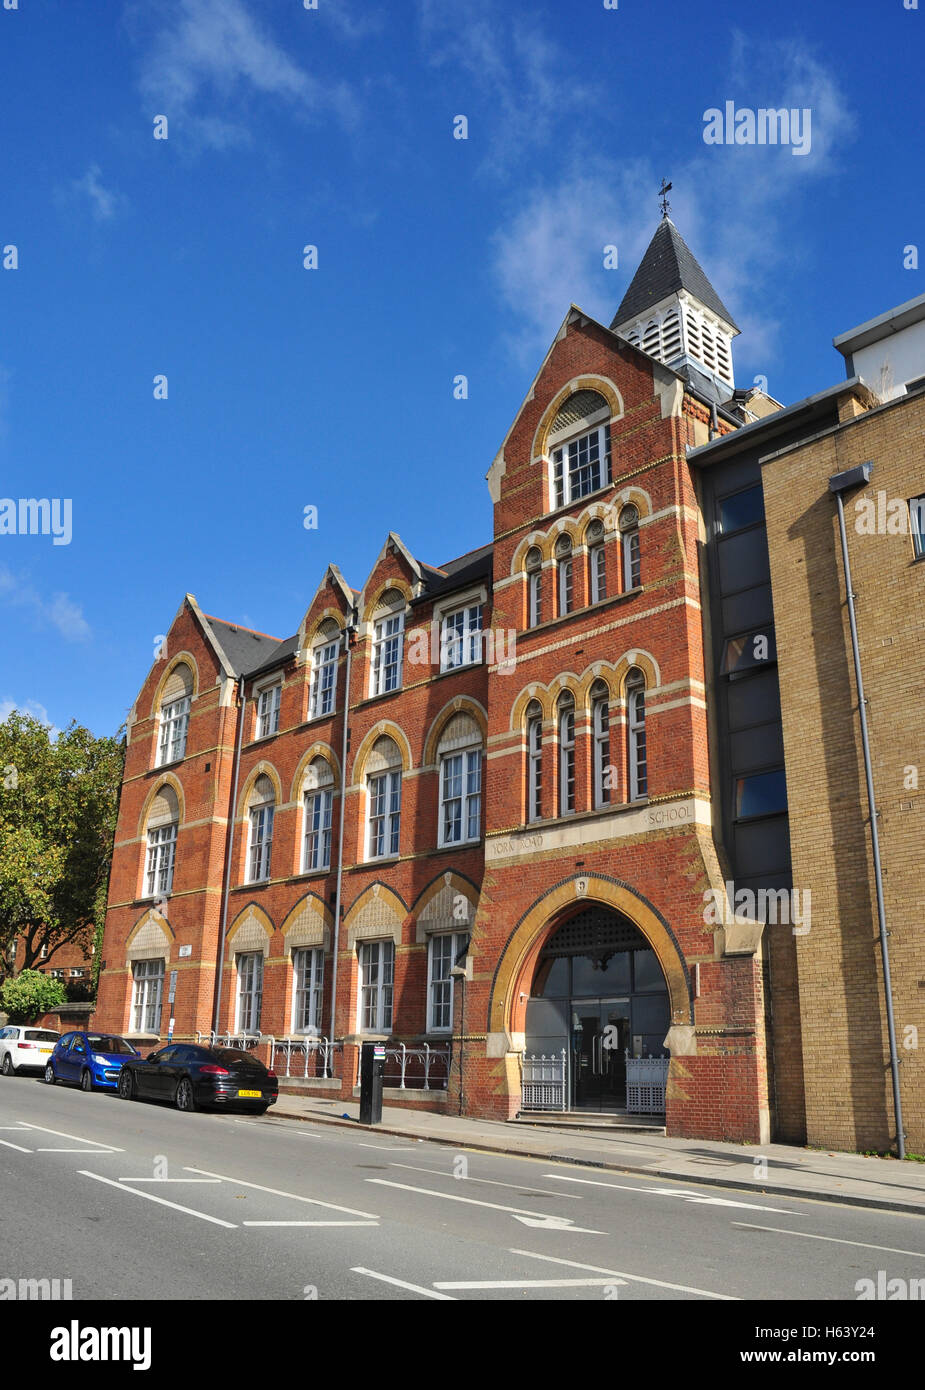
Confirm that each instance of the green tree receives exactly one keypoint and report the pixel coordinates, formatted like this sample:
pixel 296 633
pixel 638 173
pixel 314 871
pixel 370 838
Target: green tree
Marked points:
pixel 29 995
pixel 59 798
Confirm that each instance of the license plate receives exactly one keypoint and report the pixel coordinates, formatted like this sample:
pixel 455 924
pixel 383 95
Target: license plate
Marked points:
pixel 250 1095
pixel 45 1051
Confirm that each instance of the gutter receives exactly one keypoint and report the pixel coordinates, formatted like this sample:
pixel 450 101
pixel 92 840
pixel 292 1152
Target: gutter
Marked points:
pixel 229 843
pixel 349 633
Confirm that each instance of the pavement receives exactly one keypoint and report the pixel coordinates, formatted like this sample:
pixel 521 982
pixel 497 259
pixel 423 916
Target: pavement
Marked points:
pixel 780 1169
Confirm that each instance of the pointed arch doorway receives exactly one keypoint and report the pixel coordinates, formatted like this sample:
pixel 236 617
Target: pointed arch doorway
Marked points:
pixel 598 993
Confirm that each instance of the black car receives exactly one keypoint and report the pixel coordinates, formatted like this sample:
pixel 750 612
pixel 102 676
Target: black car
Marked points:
pixel 195 1078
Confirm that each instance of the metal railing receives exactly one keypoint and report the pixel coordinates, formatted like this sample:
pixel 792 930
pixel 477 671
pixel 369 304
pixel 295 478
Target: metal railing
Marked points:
pixel 544 1082
pixel 646 1079
pixel 415 1066
pixel 303 1057
pixel 244 1040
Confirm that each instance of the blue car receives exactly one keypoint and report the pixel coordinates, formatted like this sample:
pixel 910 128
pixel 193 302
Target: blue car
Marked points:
pixel 90 1060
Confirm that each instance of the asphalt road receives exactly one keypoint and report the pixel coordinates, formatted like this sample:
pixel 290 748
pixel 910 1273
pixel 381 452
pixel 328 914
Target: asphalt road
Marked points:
pixel 138 1201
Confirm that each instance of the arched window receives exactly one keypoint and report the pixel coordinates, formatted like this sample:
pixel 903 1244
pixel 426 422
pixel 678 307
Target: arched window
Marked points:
pixel 460 755
pixel 388 639
pixel 565 575
pixel 566 708
pixel 534 788
pixel 636 734
pixel 629 537
pixel 163 821
pixel 173 718
pixel 579 447
pixel 597 561
pixel 325 653
pixel 383 800
pixel 600 733
pixel 534 565
pixel 260 808
pixel 317 802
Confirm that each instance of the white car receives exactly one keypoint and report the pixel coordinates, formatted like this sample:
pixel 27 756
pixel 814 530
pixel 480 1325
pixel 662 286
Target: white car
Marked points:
pixel 25 1049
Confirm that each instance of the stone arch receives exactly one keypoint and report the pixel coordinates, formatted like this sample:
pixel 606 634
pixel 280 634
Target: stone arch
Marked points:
pixel 531 692
pixel 317 750
pixel 565 680
pixel 507 1010
pixel 261 769
pixel 378 912
pixel 150 938
pixel 251 930
pixel 461 704
pixel 183 658
pixel 631 494
pixel 312 629
pixel 395 582
pixel 166 779
pixel 440 906
pixel 599 671
pixel 384 729
pixel 536 540
pixel 601 384
pixel 645 662
pixel 307 924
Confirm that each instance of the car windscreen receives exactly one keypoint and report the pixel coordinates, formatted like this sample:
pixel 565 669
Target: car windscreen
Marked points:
pixel 103 1042
pixel 39 1035
pixel 232 1057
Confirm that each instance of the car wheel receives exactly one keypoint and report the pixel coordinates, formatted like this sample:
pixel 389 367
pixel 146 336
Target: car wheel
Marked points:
pixel 50 1074
pixel 7 1067
pixel 127 1085
pixel 86 1080
pixel 184 1098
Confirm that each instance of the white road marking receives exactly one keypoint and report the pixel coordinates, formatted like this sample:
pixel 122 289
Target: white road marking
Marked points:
pixel 836 1240
pixel 492 1182
pixel 275 1192
pixel 401 1283
pixel 280 1124
pixel 11 1127
pixel 675 1192
pixel 526 1283
pixel 310 1223
pixel 389 1148
pixel 161 1201
pixel 542 1218
pixel 632 1278
pixel 215 1180
pixel 556 1223
pixel 60 1134
pixel 109 1152
pixel 7 1145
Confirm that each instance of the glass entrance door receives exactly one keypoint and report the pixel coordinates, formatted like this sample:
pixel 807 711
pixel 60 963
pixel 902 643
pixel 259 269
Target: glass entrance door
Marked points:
pixel 600 1037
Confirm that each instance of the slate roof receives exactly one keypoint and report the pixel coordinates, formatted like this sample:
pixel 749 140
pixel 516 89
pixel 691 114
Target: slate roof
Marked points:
pixel 668 265
pixel 456 574
pixel 245 649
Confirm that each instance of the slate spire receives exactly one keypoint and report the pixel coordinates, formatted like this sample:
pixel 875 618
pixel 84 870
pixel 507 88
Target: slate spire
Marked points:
pixel 669 265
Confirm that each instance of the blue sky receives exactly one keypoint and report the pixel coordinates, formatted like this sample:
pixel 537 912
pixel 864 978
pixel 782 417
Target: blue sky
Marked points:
pixel 333 387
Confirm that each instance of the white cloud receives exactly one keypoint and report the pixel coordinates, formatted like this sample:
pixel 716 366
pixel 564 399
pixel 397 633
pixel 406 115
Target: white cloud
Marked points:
pixel 207 56
pixel 104 202
pixel 510 65
pixel 32 707
pixel 734 205
pixel 59 611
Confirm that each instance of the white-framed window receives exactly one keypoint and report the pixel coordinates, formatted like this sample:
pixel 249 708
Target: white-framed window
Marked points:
pixel 147 991
pixel 442 952
pixel 636 733
pixel 461 637
pixel 534 760
pixel 565 574
pixel 376 979
pixel 268 710
pixel 308 985
pixel 629 536
pixel 174 723
pixel 250 991
pixel 581 466
pixel 534 587
pixel 388 642
pixel 460 796
pixel 162 853
pixel 260 817
pixel 75 973
pixel 383 799
pixel 917 522
pixel 597 561
pixel 566 755
pixel 317 804
pixel 323 688
pixel 600 733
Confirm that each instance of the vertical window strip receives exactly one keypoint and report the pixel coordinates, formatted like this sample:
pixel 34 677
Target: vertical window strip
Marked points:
pixel 567 760
pixel 173 730
pixel 601 733
pixel 317 830
pixel 534 768
pixel 636 726
pixel 148 981
pixel 308 971
pixel 387 654
pixel 250 991
pixel 162 850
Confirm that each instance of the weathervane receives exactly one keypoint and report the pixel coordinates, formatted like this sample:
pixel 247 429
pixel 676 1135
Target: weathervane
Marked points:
pixel 663 194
